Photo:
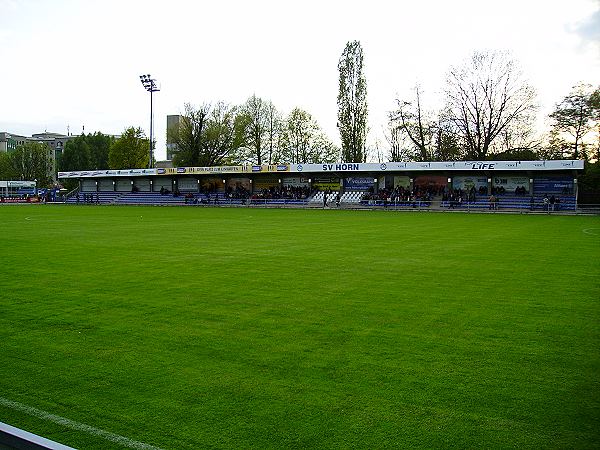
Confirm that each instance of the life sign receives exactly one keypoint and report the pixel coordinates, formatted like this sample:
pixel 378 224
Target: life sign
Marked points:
pixel 483 166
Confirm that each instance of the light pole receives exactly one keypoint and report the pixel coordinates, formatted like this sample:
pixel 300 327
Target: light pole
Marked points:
pixel 150 85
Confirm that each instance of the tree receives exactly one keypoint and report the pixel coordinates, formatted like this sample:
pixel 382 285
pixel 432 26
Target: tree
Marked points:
pixel 86 152
pixel 396 140
pixel 519 137
pixel 574 117
pixel 31 161
pixel 256 112
pixel 221 137
pixel 485 97
pixel 594 102
pixel 207 136
pixel 352 103
pixel 273 132
pixel 303 141
pixel 447 142
pixel 130 150
pixel 7 170
pixel 556 148
pixel 414 123
pixel 99 147
pixel 76 155
pixel 188 136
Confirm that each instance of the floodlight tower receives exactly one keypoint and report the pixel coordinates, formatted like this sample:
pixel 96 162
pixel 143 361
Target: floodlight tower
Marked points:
pixel 150 85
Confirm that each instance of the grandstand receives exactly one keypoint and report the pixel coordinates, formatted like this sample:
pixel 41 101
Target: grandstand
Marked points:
pixel 464 185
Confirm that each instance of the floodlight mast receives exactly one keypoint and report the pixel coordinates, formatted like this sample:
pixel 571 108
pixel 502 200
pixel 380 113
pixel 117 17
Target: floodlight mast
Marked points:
pixel 149 84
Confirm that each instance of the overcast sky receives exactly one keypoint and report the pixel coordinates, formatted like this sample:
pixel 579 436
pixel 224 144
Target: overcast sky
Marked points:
pixel 77 63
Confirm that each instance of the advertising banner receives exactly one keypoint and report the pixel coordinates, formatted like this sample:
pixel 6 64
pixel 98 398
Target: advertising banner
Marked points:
pixel 203 170
pixel 326 183
pixel 431 180
pixel 159 183
pixel 261 183
pixel 466 183
pixel 296 181
pixel 510 184
pixel 439 166
pixel 122 185
pixel 402 181
pixel 187 184
pixel 108 173
pixel 239 183
pixel 106 185
pixel 269 168
pixel 358 184
pixel 17 184
pixel 558 184
pixel 445 166
pixel 211 184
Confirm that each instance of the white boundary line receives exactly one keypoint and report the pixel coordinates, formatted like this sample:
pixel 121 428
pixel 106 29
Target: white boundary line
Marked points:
pixel 588 231
pixel 117 439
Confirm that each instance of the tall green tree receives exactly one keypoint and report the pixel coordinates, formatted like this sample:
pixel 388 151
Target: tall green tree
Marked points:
pixel 31 161
pixel 76 155
pixel 7 171
pixel 256 111
pixel 99 146
pixel 574 117
pixel 303 141
pixel 273 132
pixel 130 150
pixel 352 103
pixel 220 136
pixel 86 152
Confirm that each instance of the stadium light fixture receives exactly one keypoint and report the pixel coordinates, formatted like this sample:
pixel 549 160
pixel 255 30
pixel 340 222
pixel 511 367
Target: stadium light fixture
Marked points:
pixel 150 85
pixel 489 180
pixel 449 180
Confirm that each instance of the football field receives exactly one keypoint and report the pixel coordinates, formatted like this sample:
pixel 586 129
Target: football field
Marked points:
pixel 188 328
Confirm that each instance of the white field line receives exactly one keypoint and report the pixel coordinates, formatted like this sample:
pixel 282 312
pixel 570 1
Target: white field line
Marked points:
pixel 117 439
pixel 589 231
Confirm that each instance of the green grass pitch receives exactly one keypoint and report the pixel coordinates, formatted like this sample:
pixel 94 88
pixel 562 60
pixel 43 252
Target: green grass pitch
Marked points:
pixel 187 328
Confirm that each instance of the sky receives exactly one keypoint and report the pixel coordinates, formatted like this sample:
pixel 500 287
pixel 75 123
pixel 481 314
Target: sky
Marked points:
pixel 66 65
